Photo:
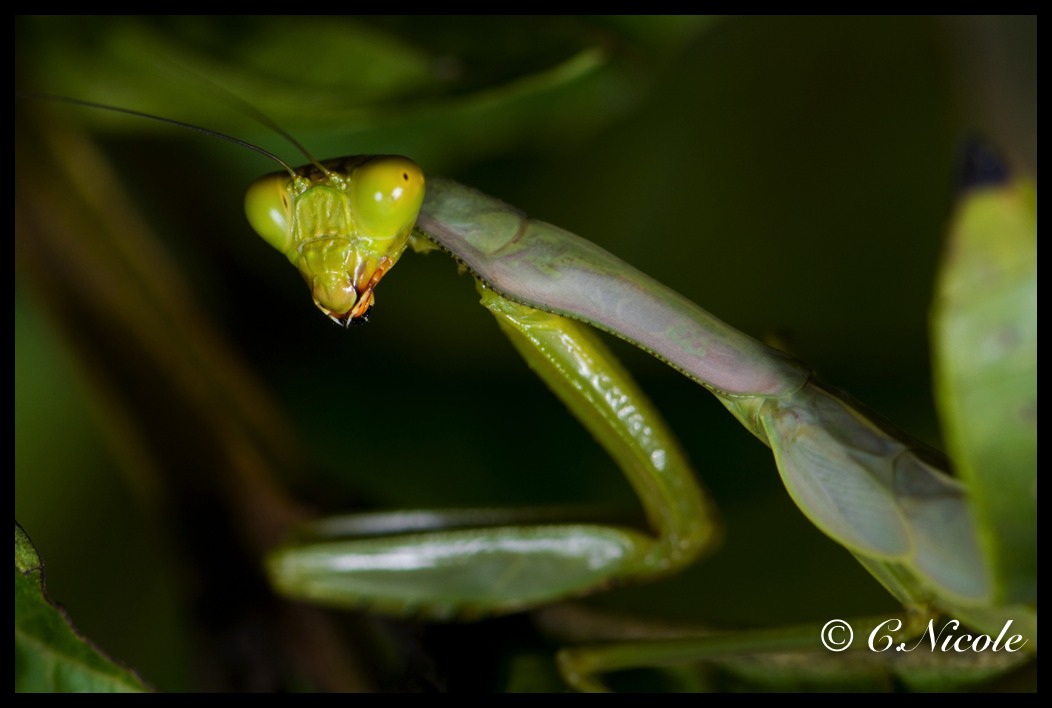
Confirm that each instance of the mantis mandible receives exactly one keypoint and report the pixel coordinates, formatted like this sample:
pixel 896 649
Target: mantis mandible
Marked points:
pixel 909 524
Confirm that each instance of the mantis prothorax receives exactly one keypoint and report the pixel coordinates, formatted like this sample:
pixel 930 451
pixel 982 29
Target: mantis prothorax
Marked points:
pixel 923 534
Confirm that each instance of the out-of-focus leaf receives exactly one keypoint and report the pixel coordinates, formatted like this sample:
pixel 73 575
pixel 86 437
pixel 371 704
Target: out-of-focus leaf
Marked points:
pixel 484 84
pixel 984 331
pixel 49 653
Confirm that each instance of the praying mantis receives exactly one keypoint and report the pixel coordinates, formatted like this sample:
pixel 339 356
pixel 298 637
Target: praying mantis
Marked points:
pixel 912 526
pixel 438 188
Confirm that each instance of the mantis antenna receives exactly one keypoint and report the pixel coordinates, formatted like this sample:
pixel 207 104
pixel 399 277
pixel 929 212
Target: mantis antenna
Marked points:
pixel 190 126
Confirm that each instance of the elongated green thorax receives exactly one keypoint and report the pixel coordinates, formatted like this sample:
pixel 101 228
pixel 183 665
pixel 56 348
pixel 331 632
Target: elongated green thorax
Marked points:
pixel 343 223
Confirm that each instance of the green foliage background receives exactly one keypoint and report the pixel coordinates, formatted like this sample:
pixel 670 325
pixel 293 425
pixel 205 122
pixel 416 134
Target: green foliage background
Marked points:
pixel 792 175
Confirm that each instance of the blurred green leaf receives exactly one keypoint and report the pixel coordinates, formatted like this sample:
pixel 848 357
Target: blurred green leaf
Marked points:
pixel 984 331
pixel 484 83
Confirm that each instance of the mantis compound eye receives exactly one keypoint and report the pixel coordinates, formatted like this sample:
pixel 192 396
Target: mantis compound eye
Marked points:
pixel 268 206
pixel 386 195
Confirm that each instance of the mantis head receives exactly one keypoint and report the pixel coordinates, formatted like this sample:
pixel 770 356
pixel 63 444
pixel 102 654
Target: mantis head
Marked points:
pixel 343 223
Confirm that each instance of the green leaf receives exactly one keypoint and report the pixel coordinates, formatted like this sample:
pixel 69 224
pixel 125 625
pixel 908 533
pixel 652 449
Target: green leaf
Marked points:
pixel 363 84
pixel 50 656
pixel 984 335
